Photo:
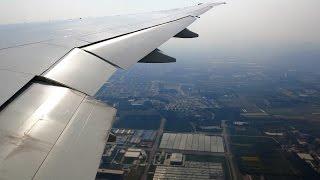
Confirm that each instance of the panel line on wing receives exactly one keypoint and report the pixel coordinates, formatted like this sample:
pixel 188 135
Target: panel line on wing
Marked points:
pixel 66 125
pixel 114 37
pixel 72 71
pixel 111 63
pixel 20 45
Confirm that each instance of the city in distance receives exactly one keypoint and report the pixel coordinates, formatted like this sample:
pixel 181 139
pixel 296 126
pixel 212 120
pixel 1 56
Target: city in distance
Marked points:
pixel 254 89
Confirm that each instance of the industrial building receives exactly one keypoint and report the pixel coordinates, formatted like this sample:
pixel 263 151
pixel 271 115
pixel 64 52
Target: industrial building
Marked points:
pixel 133 154
pixel 176 159
pixel 192 142
pixel 142 138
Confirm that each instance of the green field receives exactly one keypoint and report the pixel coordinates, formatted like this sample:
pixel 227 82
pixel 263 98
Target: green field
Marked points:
pixel 138 120
pixel 260 155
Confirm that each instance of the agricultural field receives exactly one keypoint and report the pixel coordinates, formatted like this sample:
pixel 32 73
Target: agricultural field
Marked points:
pixel 138 120
pixel 261 155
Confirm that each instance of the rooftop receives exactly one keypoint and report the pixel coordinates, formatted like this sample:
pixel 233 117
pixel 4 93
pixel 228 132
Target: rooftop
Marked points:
pixel 132 154
pixel 176 157
pixel 305 156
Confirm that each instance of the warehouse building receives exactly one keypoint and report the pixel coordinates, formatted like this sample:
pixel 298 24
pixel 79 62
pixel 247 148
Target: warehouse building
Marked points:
pixel 192 142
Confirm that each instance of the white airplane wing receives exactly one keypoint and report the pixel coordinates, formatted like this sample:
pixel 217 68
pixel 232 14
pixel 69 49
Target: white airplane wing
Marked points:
pixel 50 126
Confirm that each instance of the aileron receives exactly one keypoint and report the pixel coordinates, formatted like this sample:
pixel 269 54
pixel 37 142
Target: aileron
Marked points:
pixel 127 50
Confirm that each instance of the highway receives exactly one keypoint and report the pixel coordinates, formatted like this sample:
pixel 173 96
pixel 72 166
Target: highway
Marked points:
pixel 154 149
pixel 229 157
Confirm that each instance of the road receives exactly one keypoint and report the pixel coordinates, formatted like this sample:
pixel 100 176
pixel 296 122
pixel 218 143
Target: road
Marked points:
pixel 154 149
pixel 229 156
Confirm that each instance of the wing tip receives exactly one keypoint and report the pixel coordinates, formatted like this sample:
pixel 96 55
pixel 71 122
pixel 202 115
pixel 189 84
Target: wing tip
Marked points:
pixel 213 3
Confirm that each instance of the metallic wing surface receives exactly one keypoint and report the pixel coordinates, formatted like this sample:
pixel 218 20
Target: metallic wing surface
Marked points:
pixel 50 126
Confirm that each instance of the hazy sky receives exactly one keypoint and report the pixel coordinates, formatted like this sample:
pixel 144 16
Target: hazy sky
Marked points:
pixel 270 30
pixel 241 28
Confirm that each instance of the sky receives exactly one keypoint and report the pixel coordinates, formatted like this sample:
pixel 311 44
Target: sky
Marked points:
pixel 249 29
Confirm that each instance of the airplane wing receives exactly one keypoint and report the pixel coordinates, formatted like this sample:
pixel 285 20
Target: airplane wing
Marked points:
pixel 50 126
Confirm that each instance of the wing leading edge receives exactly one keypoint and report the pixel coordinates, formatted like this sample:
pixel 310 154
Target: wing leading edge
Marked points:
pixel 47 116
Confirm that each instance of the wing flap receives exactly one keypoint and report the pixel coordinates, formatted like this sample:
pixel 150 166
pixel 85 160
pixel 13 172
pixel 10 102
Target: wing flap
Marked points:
pixel 80 146
pixel 36 120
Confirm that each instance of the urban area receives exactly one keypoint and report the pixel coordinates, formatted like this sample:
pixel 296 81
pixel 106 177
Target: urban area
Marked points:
pixel 220 120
